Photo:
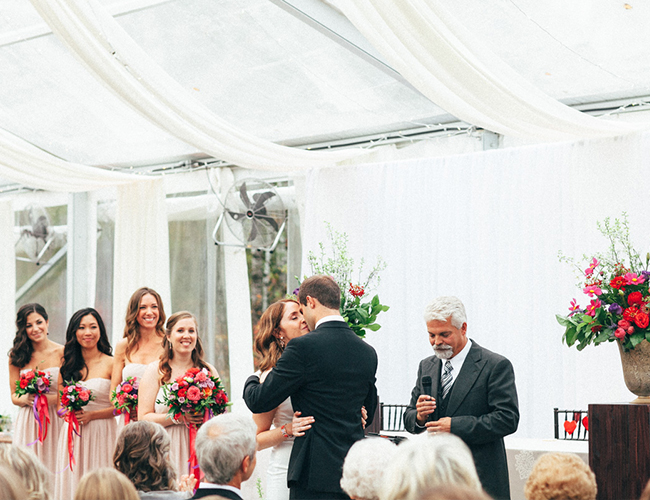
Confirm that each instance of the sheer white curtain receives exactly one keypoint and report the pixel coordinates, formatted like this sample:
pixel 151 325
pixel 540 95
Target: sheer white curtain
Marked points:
pixel 449 65
pixel 487 227
pixel 92 34
pixel 7 295
pixel 141 255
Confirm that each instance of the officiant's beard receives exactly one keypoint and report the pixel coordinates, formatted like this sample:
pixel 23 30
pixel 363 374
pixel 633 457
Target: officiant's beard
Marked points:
pixel 444 353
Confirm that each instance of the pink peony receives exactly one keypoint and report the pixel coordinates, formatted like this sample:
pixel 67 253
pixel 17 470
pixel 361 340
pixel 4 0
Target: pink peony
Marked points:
pixel 620 333
pixel 127 387
pixel 194 394
pixel 201 377
pixel 84 395
pixel 624 324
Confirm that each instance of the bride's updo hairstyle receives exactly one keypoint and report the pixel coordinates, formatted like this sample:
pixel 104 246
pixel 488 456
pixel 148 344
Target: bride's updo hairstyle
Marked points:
pixel 267 344
pixel 22 351
pixel 168 353
pixel 132 327
pixel 73 360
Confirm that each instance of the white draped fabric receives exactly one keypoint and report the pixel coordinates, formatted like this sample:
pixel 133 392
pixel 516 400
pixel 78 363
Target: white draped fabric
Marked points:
pixel 30 166
pixel 141 255
pixel 487 227
pixel 7 295
pixel 116 60
pixel 458 72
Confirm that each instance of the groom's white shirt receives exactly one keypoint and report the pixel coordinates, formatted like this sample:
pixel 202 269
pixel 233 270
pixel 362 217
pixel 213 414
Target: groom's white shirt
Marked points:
pixel 333 317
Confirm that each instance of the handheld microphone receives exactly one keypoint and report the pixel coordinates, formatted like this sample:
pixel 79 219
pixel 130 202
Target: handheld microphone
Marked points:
pixel 426 385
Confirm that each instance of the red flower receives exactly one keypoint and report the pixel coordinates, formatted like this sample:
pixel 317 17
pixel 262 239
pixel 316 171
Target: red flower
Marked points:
pixel 65 400
pixel 618 282
pixel 29 375
pixel 642 320
pixel 194 393
pixel 127 387
pixel 192 371
pixel 356 290
pixel 630 313
pixel 635 298
pixel 24 383
pixel 182 392
pixel 596 328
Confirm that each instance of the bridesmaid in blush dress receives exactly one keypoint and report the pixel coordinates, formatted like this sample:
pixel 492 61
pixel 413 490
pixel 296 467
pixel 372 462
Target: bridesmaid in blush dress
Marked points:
pixel 32 349
pixel 182 351
pixel 143 335
pixel 87 358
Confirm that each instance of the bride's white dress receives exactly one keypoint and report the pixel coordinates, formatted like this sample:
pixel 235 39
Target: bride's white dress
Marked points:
pixel 276 474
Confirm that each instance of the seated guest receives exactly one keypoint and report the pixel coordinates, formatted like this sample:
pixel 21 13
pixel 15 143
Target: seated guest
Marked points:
pixel 11 487
pixel 29 468
pixel 645 494
pixel 453 492
pixel 105 484
pixel 427 462
pixel 225 448
pixel 142 455
pixel 364 467
pixel 560 475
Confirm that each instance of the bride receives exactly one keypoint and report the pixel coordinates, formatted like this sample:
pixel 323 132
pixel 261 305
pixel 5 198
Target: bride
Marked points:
pixel 280 323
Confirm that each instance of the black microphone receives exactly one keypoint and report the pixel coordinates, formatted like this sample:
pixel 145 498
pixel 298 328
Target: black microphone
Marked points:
pixel 426 385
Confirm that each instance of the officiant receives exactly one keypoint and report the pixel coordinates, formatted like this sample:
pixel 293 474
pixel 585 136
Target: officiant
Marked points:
pixel 466 390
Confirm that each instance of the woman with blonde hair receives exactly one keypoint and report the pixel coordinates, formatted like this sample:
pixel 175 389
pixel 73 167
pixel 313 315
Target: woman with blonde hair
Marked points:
pixel 105 484
pixel 561 475
pixel 143 334
pixel 182 350
pixel 11 486
pixel 281 322
pixel 32 472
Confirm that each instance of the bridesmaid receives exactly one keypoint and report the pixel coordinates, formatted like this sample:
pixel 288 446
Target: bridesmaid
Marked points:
pixel 143 335
pixel 182 351
pixel 32 349
pixel 87 358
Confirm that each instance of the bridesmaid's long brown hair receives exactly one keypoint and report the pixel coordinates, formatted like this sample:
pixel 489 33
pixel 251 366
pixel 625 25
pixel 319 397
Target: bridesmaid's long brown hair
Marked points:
pixel 168 353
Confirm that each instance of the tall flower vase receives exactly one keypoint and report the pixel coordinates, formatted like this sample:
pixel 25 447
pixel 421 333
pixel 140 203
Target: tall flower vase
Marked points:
pixel 636 371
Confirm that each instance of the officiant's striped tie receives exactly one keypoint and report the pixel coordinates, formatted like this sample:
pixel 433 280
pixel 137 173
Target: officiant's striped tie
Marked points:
pixel 446 379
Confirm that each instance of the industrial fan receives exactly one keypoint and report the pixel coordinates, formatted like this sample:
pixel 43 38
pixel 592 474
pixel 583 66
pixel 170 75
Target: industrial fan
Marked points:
pixel 36 233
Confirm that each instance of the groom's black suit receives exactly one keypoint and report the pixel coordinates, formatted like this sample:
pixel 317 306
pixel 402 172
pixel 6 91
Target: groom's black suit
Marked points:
pixel 329 374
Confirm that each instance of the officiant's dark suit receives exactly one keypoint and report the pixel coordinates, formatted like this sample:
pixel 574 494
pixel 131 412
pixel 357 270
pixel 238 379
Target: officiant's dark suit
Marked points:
pixel 482 404
pixel 329 374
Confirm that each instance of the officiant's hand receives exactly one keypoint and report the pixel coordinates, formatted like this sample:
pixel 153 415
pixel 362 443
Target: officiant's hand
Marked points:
pixel 425 406
pixel 300 424
pixel 364 417
pixel 440 425
pixel 187 483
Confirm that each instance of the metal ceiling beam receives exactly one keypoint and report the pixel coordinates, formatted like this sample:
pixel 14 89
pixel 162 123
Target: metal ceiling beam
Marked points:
pixel 334 25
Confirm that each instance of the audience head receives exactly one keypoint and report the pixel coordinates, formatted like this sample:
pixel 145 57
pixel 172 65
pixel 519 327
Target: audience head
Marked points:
pixel 179 325
pixel 453 492
pixel 73 361
pixel 27 317
pixel 105 484
pixel 364 467
pixel 142 455
pixel 11 486
pixel 317 293
pixel 145 310
pixel 560 475
pixel 442 308
pixel 29 468
pixel 225 448
pixel 281 322
pixel 426 462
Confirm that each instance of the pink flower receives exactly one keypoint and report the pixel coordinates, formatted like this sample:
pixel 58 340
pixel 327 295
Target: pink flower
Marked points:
pixel 84 395
pixel 593 305
pixel 624 324
pixel 589 271
pixel 574 306
pixel 620 333
pixel 201 377
pixel 633 279
pixel 194 393
pixel 592 290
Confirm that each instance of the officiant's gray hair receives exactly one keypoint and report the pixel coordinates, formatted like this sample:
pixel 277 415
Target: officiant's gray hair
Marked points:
pixel 441 308
pixel 222 443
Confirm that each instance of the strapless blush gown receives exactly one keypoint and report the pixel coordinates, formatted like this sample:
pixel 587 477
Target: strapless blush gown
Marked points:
pixel 179 452
pixel 131 370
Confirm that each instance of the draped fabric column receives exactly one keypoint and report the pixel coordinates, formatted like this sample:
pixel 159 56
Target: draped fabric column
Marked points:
pixel 487 227
pixel 7 295
pixel 141 247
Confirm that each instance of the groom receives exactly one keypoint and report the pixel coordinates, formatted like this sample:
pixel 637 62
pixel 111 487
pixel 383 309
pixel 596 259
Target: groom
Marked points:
pixel 329 374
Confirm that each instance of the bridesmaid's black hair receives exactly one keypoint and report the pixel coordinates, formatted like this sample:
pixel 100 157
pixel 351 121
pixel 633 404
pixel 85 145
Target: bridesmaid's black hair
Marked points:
pixel 21 352
pixel 73 360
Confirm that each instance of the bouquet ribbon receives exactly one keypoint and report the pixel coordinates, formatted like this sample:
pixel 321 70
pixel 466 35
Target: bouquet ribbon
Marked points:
pixel 127 416
pixel 194 462
pixel 73 427
pixel 42 416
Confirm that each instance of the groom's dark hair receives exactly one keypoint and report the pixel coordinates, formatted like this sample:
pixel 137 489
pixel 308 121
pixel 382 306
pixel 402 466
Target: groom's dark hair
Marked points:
pixel 322 288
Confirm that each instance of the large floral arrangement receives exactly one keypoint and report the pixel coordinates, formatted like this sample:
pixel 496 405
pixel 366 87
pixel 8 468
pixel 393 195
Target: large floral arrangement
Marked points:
pixel 37 382
pixel 618 298
pixel 360 314
pixel 74 396
pixel 125 397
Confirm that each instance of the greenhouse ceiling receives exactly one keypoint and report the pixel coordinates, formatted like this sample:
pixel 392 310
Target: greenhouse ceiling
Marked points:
pixel 296 72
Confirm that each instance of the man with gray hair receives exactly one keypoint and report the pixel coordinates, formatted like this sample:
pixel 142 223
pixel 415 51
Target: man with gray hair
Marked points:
pixel 466 390
pixel 225 448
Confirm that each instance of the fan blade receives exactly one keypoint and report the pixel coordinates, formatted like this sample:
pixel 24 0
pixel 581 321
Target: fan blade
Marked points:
pixel 260 199
pixel 236 215
pixel 40 229
pixel 243 194
pixel 268 219
pixel 253 233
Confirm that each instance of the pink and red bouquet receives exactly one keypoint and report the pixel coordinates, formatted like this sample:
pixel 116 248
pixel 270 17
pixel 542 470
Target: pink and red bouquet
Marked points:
pixel 37 382
pixel 125 397
pixel 197 392
pixel 74 397
pixel 618 298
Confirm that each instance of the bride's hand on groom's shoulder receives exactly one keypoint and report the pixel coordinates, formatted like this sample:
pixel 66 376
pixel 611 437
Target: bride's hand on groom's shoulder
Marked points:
pixel 300 424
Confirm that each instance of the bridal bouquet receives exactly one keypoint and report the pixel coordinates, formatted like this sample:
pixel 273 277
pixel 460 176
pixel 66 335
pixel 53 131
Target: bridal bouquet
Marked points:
pixel 37 382
pixel 360 315
pixel 618 299
pixel 74 397
pixel 197 392
pixel 125 397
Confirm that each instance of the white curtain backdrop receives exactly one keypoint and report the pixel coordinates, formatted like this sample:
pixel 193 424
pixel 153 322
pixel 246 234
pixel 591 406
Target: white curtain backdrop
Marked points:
pixel 458 72
pixel 487 227
pixel 7 297
pixel 92 34
pixel 141 255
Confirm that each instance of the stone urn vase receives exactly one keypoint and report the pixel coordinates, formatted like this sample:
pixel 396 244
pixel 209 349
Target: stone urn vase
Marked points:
pixel 636 371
